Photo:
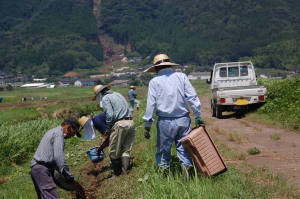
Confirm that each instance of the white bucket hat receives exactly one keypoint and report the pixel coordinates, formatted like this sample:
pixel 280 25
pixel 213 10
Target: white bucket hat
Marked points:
pixel 161 60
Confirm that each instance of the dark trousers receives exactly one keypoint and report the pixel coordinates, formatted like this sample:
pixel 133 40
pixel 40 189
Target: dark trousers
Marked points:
pixel 42 177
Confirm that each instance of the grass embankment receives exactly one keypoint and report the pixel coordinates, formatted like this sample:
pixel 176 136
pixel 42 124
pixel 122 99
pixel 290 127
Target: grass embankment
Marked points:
pixel 144 181
pixel 283 104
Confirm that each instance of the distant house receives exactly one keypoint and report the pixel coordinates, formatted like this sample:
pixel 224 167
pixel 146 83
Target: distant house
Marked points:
pixel 64 85
pixel 120 82
pixel 39 80
pixel 50 86
pixel 85 82
pixel 199 75
pixel 2 81
pixel 63 81
pixel 137 58
pixel 100 76
pixel 2 75
pixel 73 79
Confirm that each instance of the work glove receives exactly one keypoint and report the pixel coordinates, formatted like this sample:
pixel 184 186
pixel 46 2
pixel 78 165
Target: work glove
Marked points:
pixel 146 132
pixel 199 121
pixel 69 179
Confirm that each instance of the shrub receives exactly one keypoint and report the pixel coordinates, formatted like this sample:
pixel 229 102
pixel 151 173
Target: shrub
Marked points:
pixel 253 151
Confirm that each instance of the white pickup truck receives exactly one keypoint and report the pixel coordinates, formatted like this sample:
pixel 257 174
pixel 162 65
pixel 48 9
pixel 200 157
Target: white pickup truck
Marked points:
pixel 233 87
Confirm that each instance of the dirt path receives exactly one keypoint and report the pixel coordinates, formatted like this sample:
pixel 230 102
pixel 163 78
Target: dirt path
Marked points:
pixel 279 155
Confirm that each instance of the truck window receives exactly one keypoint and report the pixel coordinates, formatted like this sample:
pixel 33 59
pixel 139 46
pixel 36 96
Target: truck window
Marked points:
pixel 233 71
pixel 223 72
pixel 243 70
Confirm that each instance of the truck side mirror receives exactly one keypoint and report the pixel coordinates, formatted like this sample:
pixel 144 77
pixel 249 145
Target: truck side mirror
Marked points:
pixel 208 81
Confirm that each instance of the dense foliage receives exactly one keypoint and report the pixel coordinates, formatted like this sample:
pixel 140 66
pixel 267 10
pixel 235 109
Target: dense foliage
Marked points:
pixel 283 103
pixel 43 37
pixel 208 31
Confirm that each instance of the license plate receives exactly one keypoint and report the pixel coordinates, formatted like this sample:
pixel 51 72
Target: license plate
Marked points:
pixel 242 102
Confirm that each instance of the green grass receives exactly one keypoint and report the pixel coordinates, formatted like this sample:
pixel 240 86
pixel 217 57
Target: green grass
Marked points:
pixel 275 136
pixel 235 137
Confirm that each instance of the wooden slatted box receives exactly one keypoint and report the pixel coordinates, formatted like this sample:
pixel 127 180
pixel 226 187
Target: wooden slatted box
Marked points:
pixel 203 152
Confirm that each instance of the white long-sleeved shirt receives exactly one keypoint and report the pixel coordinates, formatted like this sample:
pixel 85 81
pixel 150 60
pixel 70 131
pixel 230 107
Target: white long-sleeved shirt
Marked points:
pixel 169 92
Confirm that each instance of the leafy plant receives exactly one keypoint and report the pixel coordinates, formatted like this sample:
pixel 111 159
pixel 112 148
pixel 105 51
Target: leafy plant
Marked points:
pixel 253 151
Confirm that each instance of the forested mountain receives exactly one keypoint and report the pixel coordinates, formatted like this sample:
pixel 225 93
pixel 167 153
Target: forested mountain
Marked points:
pixel 208 31
pixel 48 37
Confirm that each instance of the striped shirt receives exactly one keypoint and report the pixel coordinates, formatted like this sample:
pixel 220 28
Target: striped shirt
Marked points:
pixel 115 107
pixel 51 150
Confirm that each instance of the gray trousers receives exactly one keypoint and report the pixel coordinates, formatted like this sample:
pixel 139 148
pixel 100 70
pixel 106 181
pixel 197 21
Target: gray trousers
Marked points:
pixel 42 177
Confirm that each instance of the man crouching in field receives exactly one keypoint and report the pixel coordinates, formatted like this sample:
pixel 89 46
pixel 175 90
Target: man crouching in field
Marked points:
pixel 120 126
pixel 50 156
pixel 169 92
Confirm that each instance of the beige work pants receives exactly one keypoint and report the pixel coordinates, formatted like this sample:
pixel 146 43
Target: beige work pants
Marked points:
pixel 121 139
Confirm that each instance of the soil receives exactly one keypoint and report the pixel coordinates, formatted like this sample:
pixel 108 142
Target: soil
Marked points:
pixel 281 156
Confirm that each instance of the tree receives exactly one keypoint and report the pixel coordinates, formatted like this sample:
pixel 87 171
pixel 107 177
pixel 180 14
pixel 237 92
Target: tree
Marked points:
pixel 136 82
pixel 146 77
pixel 107 80
pixel 9 87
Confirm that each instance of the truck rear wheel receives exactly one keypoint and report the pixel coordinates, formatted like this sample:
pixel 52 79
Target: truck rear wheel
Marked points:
pixel 213 110
pixel 218 112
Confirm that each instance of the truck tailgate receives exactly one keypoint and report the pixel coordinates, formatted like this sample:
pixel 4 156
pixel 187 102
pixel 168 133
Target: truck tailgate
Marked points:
pixel 241 91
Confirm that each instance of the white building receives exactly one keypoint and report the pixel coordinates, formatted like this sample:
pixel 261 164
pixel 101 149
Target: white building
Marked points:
pixel 199 75
pixel 120 83
pixel 34 85
pixel 85 82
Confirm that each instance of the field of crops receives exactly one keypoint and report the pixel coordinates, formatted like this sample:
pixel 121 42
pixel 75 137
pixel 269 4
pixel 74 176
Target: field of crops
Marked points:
pixel 21 138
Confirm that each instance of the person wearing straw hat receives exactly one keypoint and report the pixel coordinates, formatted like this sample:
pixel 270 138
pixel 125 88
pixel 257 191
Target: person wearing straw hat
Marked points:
pixel 169 93
pixel 49 156
pixel 120 126
pixel 132 98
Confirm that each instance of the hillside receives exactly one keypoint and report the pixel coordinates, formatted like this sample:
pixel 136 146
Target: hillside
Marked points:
pixel 48 37
pixel 51 37
pixel 208 31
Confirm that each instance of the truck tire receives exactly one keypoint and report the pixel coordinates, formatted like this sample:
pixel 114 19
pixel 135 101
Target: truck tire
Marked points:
pixel 218 112
pixel 213 110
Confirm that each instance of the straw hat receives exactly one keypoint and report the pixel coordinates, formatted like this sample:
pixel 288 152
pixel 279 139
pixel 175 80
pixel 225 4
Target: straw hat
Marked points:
pixel 161 60
pixel 99 88
pixel 132 87
pixel 82 121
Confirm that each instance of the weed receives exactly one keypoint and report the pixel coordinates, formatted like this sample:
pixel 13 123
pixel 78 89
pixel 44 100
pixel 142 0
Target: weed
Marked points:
pixel 258 128
pixel 275 136
pixel 235 137
pixel 253 151
pixel 294 144
pixel 219 130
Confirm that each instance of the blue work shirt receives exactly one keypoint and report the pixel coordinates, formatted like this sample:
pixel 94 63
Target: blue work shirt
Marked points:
pixel 169 92
pixel 100 123
pixel 131 95
pixel 115 107
pixel 51 151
